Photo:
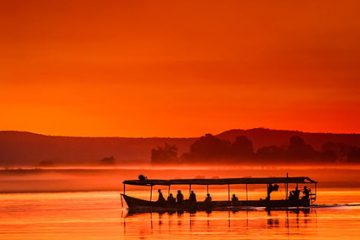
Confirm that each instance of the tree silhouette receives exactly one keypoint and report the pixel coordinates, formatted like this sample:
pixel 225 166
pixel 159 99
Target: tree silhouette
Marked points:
pixel 330 151
pixel 108 161
pixel 209 147
pixel 164 155
pixel 242 147
pixel 271 152
pixel 298 149
pixel 354 155
pixel 340 152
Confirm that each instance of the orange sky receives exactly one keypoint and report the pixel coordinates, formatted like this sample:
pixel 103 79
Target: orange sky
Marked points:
pixel 178 68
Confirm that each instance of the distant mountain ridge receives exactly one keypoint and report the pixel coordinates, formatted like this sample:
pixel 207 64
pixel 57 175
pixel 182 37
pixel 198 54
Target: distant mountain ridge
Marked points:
pixel 25 148
pixel 29 149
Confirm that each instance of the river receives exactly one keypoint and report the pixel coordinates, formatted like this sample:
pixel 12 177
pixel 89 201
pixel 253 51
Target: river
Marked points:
pixel 69 215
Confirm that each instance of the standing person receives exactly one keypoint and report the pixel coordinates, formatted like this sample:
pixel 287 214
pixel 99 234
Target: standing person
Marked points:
pixel 306 193
pixel 270 189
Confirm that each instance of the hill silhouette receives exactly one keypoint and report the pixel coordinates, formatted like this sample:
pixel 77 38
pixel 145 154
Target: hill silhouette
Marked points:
pixel 263 137
pixel 30 149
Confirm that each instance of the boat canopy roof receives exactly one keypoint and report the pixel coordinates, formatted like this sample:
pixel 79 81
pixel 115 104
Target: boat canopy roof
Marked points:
pixel 219 181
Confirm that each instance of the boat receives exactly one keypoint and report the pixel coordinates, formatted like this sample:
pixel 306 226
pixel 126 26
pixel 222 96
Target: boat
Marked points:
pixel 272 184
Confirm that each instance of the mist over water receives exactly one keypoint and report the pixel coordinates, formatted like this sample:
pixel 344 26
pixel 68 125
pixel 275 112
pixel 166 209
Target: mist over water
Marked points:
pixel 110 178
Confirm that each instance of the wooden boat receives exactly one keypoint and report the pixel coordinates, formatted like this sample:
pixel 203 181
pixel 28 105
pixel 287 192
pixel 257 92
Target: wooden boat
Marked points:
pixel 141 205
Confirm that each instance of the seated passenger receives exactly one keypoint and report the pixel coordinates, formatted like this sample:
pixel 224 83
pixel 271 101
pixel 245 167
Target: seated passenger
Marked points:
pixel 208 198
pixel 234 198
pixel 171 200
pixel 179 197
pixel 192 197
pixel 295 194
pixel 291 195
pixel 161 198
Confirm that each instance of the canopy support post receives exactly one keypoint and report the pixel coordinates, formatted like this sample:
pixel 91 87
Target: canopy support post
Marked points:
pixel 121 197
pixel 287 186
pixel 246 192
pixel 151 187
pixel 189 188
pixel 228 192
pixel 207 189
pixel 169 190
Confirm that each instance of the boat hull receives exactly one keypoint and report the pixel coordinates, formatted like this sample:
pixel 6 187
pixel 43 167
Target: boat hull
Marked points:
pixel 140 205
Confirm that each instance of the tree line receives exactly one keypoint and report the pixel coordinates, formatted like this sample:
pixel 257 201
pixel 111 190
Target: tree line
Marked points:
pixel 211 149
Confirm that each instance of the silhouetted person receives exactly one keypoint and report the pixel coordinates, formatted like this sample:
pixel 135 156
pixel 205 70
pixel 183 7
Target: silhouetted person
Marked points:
pixel 270 189
pixel 161 198
pixel 234 198
pixel 192 197
pixel 208 198
pixel 295 194
pixel 142 178
pixel 171 200
pixel 306 193
pixel 179 197
pixel 208 201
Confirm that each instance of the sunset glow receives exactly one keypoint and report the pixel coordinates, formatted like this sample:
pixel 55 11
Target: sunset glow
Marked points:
pixel 179 119
pixel 178 68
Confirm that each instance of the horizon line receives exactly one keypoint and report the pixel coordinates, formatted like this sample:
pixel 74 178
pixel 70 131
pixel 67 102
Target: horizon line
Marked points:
pixel 232 129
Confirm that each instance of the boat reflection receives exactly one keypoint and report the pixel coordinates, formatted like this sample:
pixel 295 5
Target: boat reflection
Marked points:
pixel 231 220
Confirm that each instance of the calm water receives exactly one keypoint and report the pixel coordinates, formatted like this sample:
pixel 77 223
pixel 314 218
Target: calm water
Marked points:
pixel 98 215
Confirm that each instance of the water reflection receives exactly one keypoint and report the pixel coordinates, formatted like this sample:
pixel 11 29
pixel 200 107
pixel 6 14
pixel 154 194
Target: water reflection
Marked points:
pixel 97 215
pixel 224 220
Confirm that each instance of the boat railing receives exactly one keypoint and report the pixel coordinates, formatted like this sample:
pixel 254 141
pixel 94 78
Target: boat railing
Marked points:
pixel 312 197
